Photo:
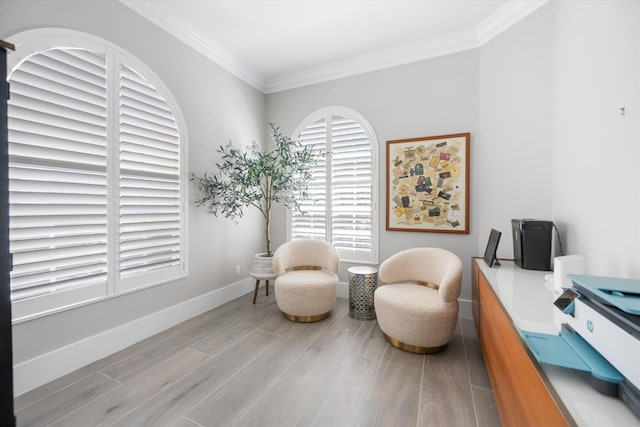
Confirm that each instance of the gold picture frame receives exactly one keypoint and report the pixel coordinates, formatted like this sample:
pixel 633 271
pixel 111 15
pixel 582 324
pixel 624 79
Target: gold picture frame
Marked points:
pixel 428 184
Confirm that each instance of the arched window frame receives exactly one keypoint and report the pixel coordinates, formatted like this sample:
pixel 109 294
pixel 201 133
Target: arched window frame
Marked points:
pixel 35 41
pixel 327 113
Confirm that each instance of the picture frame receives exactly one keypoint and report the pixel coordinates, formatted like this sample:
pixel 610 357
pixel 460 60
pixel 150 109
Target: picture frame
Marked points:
pixel 492 248
pixel 428 184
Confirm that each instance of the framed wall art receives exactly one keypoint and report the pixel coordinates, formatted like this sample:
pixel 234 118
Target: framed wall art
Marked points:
pixel 428 184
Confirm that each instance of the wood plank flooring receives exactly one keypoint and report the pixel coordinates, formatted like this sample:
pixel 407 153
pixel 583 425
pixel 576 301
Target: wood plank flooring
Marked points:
pixel 245 365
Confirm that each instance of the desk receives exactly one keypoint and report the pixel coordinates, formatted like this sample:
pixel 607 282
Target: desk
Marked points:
pixel 527 393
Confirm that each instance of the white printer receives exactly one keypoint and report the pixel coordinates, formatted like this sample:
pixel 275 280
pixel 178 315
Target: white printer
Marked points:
pixel 601 335
pixel 606 313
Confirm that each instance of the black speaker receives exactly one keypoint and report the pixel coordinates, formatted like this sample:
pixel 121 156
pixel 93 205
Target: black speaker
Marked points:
pixel 532 243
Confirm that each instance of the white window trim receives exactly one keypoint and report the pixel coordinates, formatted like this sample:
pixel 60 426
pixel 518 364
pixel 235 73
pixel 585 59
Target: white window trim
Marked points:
pixel 34 41
pixel 326 113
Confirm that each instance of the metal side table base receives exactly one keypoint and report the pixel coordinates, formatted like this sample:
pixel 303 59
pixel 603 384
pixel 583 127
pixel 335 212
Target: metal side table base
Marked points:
pixel 363 282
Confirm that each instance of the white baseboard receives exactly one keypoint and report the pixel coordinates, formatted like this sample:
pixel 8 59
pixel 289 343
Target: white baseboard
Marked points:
pixel 343 290
pixel 465 309
pixel 47 367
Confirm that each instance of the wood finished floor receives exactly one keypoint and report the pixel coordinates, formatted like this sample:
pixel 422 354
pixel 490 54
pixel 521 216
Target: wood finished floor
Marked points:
pixel 245 365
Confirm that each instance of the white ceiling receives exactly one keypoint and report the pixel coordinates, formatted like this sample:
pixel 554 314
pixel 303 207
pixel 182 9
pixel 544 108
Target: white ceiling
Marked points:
pixel 281 44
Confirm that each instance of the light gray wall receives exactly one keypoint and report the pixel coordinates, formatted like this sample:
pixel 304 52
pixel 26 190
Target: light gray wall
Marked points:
pixel 596 151
pixel 551 89
pixel 428 98
pixel 217 107
pixel 513 162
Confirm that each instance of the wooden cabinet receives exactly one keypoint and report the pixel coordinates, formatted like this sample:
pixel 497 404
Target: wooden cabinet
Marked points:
pixel 522 395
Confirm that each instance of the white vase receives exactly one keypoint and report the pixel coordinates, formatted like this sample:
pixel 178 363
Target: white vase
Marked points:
pixel 262 264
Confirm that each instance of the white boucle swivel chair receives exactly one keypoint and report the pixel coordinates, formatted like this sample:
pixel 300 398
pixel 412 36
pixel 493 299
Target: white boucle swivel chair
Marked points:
pixel 417 308
pixel 307 283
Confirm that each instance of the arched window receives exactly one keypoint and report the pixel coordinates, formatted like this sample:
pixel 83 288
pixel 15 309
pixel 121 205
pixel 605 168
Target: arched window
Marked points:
pixel 96 176
pixel 342 208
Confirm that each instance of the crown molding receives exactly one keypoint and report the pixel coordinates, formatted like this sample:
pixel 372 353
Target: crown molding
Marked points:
pixel 405 54
pixel 505 17
pixel 165 18
pixel 502 19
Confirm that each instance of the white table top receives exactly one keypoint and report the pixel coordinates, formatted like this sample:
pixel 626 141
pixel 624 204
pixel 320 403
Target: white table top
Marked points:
pixel 362 269
pixel 528 299
pixel 260 275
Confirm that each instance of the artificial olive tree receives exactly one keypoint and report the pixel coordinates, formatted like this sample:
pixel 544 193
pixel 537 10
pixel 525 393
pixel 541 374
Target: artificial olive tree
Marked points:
pixel 252 177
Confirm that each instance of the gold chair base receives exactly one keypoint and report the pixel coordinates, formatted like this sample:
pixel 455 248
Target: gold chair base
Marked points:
pixel 306 319
pixel 414 348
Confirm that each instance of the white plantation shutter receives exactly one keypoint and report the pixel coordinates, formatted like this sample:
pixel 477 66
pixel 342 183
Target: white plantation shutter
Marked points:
pixel 95 177
pixel 342 209
pixel 57 173
pixel 149 180
pixel 351 187
pixel 311 221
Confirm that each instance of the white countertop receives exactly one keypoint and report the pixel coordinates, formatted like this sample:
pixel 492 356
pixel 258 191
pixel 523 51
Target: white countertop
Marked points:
pixel 528 299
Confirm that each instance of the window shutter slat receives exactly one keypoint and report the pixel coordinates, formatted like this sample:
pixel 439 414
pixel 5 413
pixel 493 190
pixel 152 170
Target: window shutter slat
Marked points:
pixel 142 89
pixel 54 78
pixel 89 113
pixel 145 142
pixel 87 279
pixel 76 62
pixel 148 117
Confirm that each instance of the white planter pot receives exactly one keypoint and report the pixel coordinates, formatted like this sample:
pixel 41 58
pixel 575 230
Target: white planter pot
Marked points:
pixel 262 264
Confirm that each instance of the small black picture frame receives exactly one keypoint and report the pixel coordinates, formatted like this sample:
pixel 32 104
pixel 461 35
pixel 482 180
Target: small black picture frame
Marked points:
pixel 492 246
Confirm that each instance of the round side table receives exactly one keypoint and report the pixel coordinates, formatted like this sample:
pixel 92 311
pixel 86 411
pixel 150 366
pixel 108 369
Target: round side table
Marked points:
pixel 260 275
pixel 362 284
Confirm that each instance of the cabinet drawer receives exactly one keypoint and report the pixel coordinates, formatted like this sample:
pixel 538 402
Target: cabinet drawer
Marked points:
pixel 522 396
